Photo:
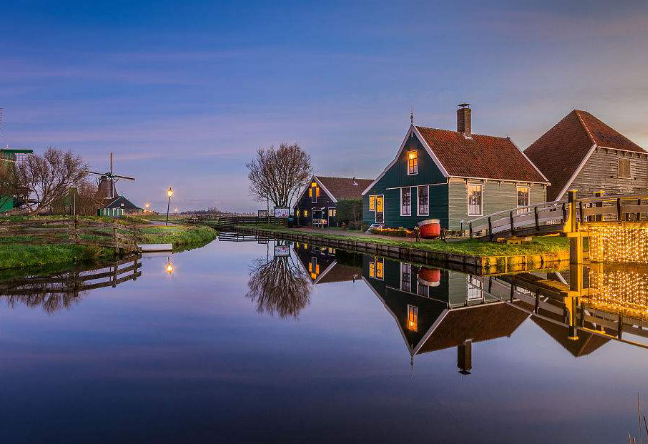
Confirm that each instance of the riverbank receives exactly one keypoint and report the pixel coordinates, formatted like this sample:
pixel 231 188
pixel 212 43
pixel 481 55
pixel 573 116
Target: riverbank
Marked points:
pixel 14 255
pixel 470 255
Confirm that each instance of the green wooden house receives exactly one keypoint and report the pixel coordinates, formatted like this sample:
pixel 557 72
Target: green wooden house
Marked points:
pixel 452 176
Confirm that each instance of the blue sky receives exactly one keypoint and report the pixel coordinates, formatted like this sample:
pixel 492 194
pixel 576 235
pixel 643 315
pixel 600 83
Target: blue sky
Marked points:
pixel 184 92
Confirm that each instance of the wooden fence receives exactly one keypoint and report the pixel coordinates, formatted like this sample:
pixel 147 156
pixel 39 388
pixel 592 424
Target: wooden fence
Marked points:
pixel 550 217
pixel 232 221
pixel 123 238
pixel 61 289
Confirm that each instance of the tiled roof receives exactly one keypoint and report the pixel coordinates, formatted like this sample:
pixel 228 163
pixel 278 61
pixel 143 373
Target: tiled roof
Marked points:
pixel 559 151
pixel 585 344
pixel 480 156
pixel 341 273
pixel 478 323
pixel 343 187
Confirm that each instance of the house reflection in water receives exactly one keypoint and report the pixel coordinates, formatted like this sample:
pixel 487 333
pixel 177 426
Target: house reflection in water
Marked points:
pixel 325 265
pixel 439 309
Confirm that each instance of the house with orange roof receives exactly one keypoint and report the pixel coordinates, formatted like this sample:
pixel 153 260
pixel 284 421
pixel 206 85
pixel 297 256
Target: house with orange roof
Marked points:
pixel 452 176
pixel 583 153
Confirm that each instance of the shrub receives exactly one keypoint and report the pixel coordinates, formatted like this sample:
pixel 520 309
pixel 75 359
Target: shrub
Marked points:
pixel 349 212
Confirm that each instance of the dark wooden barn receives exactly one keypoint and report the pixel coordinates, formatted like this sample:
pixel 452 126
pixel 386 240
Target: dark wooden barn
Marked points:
pixel 581 152
pixel 317 204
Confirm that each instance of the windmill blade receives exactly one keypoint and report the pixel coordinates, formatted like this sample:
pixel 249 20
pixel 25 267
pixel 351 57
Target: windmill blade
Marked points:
pixel 98 174
pixel 123 177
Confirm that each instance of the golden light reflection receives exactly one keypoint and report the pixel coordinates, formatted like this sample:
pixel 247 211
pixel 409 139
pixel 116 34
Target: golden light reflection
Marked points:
pixel 619 291
pixel 169 266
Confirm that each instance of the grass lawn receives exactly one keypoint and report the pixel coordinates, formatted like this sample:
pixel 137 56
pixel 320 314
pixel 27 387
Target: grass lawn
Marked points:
pixel 539 245
pixel 15 252
pixel 178 235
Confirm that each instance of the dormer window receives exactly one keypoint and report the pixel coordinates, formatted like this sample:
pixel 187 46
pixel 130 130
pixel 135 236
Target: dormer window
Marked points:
pixel 412 162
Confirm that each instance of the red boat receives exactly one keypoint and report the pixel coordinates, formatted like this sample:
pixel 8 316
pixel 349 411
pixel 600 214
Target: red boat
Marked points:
pixel 430 277
pixel 430 228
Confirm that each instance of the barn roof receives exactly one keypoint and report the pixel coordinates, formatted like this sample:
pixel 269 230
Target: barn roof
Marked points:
pixel 478 323
pixel 344 187
pixel 479 156
pixel 560 152
pixel 122 202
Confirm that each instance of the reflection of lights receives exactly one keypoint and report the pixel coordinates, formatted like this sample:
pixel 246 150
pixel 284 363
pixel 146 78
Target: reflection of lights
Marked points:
pixel 619 291
pixel 169 267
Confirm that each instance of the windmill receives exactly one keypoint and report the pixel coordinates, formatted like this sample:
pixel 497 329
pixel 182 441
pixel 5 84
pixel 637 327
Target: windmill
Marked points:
pixel 107 181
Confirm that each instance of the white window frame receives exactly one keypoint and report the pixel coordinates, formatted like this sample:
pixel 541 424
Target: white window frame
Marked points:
pixel 474 290
pixel 517 193
pixel 481 206
pixel 414 170
pixel 418 200
pixel 409 268
pixel 410 201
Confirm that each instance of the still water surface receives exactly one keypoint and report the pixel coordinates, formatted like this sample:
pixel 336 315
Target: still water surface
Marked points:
pixel 354 349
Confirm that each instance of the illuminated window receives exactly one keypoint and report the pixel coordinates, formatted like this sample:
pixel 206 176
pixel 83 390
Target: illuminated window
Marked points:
pixel 372 269
pixel 314 192
pixel 475 200
pixel 297 213
pixel 412 162
pixel 372 203
pixel 332 212
pixel 380 268
pixel 423 200
pixel 305 213
pixel 406 202
pixel 412 317
pixel 624 168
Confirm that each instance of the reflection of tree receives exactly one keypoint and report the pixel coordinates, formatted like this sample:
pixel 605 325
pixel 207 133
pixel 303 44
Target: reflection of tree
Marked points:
pixel 279 286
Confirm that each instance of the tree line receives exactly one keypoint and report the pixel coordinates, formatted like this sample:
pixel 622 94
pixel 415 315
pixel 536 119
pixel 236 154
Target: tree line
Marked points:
pixel 41 183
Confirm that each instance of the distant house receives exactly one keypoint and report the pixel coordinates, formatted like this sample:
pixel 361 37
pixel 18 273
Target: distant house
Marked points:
pixel 452 176
pixel 318 201
pixel 326 265
pixel 581 152
pixel 119 206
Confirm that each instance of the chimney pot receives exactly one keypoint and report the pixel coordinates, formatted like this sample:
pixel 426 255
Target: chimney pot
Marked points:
pixel 464 123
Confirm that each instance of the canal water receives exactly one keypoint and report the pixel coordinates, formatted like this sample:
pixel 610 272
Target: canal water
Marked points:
pixel 261 341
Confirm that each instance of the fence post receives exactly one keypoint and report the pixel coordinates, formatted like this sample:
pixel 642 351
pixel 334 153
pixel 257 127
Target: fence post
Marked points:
pixel 619 215
pixel 115 238
pixel 471 231
pixel 599 217
pixel 512 223
pixel 490 228
pixel 537 218
pixel 76 229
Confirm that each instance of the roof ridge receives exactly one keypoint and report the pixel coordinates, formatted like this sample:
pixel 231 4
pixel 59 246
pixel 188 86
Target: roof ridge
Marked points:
pixel 340 177
pixel 458 132
pixel 582 122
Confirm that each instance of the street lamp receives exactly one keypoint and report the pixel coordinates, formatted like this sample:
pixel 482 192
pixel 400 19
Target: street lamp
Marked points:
pixel 169 193
pixel 147 205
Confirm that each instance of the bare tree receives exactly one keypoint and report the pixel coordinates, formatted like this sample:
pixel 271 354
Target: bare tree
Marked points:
pixel 278 175
pixel 48 178
pixel 279 286
pixel 7 180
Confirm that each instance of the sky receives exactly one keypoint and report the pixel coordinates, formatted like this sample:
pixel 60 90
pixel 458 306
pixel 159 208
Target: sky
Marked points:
pixel 184 93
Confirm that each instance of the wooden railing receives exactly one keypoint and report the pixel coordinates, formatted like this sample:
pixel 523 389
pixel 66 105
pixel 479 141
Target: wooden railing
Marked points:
pixel 232 221
pixel 61 289
pixel 540 218
pixel 121 237
pixel 550 217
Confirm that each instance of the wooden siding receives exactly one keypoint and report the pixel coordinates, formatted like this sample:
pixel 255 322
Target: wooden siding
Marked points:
pixel 497 196
pixel 396 177
pixel 600 172
pixel 304 203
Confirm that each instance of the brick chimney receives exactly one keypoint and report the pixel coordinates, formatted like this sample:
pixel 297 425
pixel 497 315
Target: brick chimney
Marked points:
pixel 464 123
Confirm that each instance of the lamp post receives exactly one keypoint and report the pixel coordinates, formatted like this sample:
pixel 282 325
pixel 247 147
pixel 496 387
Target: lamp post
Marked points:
pixel 147 205
pixel 169 193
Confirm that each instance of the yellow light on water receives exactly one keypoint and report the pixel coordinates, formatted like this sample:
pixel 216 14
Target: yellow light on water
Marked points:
pixel 169 267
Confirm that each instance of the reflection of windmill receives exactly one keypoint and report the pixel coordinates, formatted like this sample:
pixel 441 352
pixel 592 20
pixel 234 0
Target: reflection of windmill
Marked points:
pixel 107 182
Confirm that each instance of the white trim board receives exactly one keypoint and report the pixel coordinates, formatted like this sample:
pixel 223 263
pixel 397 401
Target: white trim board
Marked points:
pixel 578 170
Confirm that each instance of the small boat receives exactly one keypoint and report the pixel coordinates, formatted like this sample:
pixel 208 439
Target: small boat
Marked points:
pixel 430 228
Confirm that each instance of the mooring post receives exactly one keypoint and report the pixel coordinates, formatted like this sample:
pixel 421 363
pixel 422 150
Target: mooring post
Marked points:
pixel 572 229
pixel 599 217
